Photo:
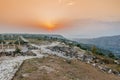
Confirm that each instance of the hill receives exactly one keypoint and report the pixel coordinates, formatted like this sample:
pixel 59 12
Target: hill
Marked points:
pixel 57 59
pixel 56 68
pixel 111 43
pixel 29 36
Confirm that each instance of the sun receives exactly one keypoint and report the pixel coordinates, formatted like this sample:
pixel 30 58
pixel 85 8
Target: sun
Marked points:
pixel 49 25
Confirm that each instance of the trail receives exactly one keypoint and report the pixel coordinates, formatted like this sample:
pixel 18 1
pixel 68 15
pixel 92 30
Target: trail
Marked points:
pixel 9 65
pixel 44 49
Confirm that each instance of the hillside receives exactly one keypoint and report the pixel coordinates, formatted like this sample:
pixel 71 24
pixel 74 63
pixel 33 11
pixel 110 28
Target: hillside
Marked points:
pixel 43 57
pixel 108 43
pixel 56 68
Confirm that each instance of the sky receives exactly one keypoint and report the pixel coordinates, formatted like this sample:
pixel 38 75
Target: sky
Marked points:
pixel 71 18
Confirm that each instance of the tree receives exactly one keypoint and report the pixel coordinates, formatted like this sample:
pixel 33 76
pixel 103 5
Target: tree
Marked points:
pixel 111 55
pixel 94 49
pixel 101 54
pixel 78 45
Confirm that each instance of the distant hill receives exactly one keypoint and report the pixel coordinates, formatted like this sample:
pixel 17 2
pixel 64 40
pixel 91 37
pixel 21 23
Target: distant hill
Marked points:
pixel 111 43
pixel 14 36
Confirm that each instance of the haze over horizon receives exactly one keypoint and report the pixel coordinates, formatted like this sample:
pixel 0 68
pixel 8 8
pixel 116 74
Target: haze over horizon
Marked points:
pixel 71 18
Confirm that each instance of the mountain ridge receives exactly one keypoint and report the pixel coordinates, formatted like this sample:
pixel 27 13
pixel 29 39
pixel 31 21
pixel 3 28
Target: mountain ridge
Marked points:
pixel 111 43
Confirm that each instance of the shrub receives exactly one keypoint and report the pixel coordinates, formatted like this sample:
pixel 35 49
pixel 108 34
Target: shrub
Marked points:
pixel 17 50
pixel 108 61
pixel 94 49
pixel 68 61
pixel 111 55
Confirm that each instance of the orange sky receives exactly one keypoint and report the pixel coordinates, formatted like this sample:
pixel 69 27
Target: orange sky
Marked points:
pixel 54 13
pixel 43 10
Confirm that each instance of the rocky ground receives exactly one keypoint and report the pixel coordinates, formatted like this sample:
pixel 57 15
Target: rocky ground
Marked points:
pixel 9 65
pixel 67 63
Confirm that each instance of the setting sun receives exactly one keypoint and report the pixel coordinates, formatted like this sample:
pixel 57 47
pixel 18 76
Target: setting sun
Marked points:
pixel 49 25
pixel 42 39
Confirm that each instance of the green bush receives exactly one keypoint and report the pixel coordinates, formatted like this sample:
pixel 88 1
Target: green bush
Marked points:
pixel 17 50
pixel 111 55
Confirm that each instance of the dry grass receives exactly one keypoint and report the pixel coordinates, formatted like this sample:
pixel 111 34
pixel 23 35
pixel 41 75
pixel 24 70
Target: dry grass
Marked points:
pixel 55 68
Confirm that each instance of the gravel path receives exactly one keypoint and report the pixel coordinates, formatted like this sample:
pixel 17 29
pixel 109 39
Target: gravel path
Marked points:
pixel 10 65
pixel 48 51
